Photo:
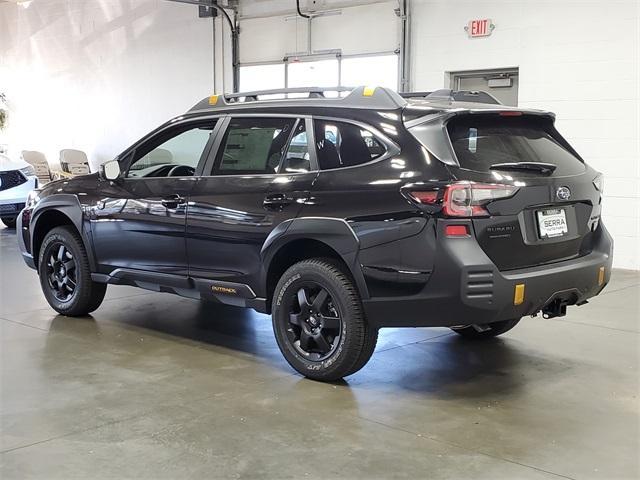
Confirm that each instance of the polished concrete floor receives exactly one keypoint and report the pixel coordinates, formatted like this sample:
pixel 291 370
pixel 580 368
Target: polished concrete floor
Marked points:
pixel 156 386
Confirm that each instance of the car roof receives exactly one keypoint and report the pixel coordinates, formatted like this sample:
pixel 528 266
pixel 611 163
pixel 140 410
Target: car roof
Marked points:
pixel 414 104
pixel 374 98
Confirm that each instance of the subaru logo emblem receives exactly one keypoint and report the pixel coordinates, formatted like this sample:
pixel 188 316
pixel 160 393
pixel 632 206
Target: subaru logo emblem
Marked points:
pixel 563 193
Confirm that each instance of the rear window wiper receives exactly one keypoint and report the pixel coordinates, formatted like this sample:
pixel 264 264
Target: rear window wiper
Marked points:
pixel 544 168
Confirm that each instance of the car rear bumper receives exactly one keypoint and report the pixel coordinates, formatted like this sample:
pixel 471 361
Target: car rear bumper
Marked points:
pixel 467 288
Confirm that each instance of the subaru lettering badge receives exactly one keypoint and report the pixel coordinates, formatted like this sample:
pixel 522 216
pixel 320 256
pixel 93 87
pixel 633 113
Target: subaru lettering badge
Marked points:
pixel 563 193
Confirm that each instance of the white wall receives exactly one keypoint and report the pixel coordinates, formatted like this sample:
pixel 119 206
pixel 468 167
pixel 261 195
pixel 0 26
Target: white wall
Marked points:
pixel 97 75
pixel 353 29
pixel 579 59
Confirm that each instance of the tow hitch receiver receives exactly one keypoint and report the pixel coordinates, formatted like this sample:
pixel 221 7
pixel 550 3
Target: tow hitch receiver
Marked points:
pixel 556 308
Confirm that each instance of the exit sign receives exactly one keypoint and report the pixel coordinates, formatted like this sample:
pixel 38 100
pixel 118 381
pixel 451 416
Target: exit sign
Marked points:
pixel 480 28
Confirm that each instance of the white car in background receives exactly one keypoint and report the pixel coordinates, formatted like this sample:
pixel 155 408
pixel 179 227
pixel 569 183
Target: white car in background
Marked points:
pixel 17 179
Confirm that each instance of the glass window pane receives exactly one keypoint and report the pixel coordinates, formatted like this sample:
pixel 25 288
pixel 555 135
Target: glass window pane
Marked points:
pixel 254 145
pixel 176 155
pixel 481 141
pixel 297 157
pixel 261 77
pixel 345 145
pixel 321 73
pixel 379 70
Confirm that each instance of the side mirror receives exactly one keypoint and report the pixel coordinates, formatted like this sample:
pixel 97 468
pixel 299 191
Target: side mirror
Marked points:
pixel 110 170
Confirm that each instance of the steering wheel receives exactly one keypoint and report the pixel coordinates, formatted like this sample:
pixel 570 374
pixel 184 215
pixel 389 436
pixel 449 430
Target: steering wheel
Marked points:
pixel 181 171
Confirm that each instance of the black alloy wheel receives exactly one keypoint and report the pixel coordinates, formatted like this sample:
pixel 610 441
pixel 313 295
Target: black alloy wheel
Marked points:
pixel 315 322
pixel 61 272
pixel 65 274
pixel 319 322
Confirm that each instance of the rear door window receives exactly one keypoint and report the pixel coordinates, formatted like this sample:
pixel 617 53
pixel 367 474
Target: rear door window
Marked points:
pixel 341 144
pixel 254 145
pixel 296 159
pixel 480 141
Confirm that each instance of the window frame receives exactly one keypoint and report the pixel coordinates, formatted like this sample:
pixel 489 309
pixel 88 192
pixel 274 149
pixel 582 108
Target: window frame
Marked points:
pixel 125 159
pixel 210 168
pixel 392 148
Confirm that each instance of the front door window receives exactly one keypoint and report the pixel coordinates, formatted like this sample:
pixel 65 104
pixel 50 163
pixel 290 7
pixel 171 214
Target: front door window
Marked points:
pixel 175 154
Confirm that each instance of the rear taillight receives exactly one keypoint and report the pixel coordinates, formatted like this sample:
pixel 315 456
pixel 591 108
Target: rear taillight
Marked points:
pixel 463 199
pixel 468 199
pixel 428 197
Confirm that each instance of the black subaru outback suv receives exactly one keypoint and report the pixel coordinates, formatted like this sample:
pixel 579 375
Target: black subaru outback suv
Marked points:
pixel 338 216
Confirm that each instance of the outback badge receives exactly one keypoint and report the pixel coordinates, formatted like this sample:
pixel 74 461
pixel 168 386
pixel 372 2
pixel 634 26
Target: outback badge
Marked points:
pixel 227 290
pixel 563 193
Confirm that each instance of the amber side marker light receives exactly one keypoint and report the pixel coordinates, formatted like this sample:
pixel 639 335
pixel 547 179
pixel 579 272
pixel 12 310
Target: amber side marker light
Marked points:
pixel 518 294
pixel 601 276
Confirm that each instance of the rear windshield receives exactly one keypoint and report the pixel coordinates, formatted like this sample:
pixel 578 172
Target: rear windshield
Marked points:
pixel 480 141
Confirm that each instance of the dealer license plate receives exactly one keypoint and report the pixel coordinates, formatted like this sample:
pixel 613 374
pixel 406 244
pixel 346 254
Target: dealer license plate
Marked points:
pixel 552 222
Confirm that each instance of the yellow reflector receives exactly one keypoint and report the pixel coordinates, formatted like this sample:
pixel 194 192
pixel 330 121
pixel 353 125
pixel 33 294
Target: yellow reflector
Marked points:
pixel 368 91
pixel 213 99
pixel 601 276
pixel 518 294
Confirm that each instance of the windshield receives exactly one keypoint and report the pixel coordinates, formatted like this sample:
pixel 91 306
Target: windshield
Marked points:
pixel 480 141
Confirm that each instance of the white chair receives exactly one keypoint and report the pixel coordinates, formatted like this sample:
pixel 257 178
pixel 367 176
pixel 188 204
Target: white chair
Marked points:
pixel 74 162
pixel 39 163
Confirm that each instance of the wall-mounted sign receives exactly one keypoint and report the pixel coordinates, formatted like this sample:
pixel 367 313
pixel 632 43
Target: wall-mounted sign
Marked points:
pixel 480 27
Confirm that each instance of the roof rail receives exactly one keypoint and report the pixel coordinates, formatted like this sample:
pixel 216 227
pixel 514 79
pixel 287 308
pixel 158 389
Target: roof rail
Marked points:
pixel 314 92
pixel 358 97
pixel 414 94
pixel 448 95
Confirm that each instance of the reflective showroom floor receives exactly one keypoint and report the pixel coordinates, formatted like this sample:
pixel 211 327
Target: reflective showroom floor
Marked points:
pixel 156 386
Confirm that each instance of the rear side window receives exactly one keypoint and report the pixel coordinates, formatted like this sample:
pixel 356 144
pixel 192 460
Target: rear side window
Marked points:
pixel 296 160
pixel 480 141
pixel 341 144
pixel 254 145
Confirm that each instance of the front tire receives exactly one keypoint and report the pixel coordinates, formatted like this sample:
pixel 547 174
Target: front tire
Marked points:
pixel 490 330
pixel 10 222
pixel 319 323
pixel 65 277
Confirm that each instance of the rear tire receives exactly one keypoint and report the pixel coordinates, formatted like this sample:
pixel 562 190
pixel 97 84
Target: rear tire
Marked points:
pixel 10 222
pixel 65 277
pixel 318 321
pixel 491 330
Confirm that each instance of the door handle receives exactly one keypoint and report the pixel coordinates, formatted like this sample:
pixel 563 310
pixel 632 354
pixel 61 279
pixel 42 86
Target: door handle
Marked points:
pixel 276 201
pixel 172 201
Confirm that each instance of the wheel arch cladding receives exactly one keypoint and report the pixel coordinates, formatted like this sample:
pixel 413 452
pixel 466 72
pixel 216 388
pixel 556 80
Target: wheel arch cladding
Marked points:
pixel 311 237
pixel 53 212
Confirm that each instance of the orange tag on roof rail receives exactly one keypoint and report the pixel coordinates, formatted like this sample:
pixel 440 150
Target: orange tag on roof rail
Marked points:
pixel 213 99
pixel 368 91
